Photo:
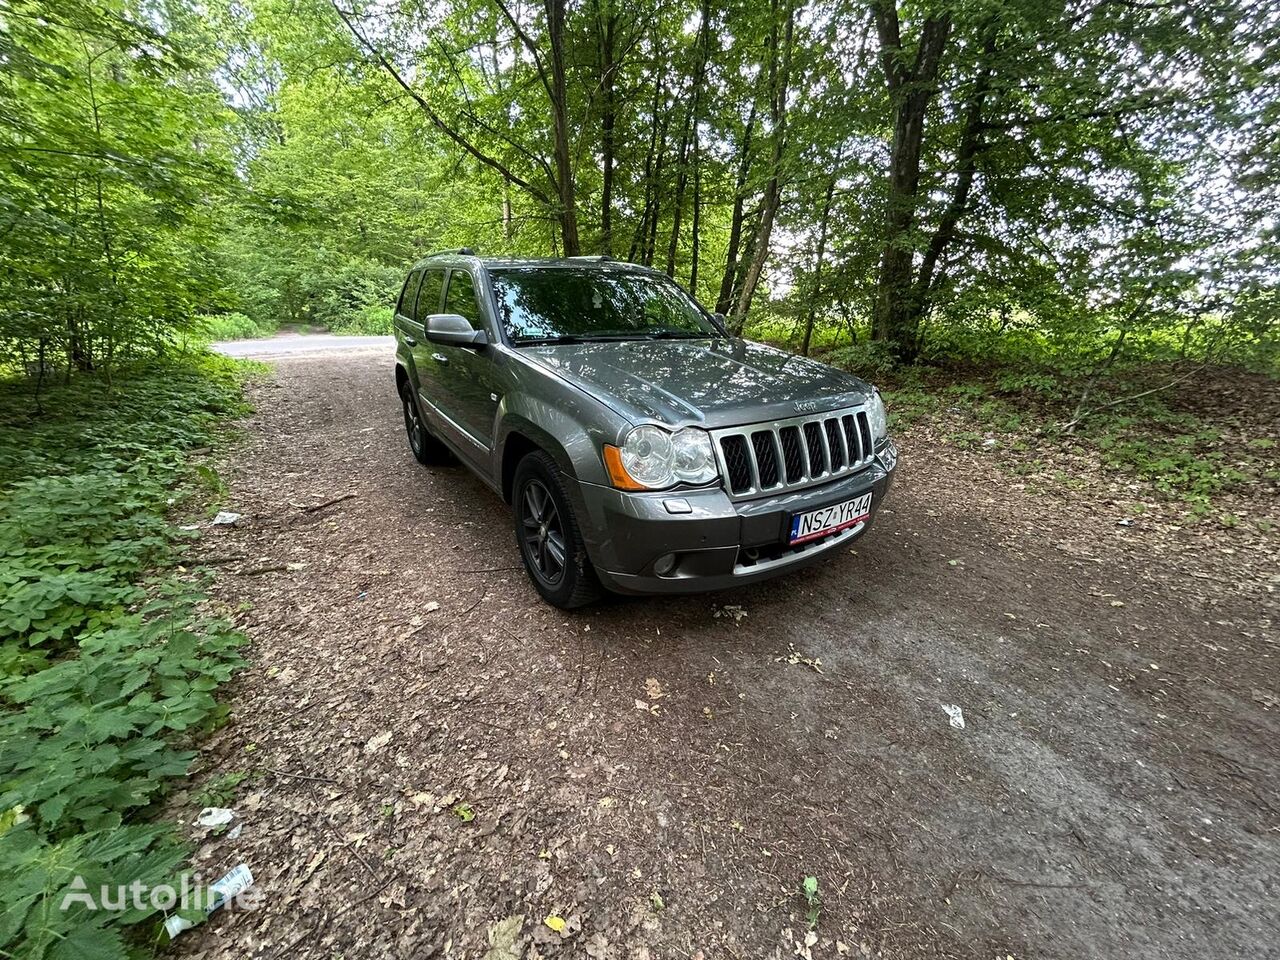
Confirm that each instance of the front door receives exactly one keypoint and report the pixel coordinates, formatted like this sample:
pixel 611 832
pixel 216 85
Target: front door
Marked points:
pixel 466 395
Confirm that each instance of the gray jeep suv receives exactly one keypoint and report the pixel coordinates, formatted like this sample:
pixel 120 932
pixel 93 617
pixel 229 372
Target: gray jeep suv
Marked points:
pixel 641 446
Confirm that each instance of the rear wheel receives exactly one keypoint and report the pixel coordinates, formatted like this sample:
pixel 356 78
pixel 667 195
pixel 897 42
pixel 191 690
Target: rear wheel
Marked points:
pixel 549 537
pixel 426 449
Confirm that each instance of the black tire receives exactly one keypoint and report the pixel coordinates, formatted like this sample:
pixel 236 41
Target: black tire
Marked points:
pixel 426 449
pixel 548 535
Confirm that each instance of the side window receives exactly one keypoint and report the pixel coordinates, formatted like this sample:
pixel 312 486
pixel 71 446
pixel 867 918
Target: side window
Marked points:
pixel 429 295
pixel 409 291
pixel 462 298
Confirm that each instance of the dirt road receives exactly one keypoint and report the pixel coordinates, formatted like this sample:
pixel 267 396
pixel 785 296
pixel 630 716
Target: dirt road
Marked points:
pixel 432 750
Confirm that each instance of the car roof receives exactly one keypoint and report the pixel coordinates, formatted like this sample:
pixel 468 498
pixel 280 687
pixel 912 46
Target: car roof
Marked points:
pixel 467 258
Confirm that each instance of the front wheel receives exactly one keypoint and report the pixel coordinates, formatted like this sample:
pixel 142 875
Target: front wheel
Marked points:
pixel 549 537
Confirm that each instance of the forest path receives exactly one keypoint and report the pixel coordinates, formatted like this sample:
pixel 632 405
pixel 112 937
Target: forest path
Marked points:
pixel 662 775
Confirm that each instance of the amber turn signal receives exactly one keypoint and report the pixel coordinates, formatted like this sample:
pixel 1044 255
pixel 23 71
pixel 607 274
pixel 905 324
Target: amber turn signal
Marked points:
pixel 618 475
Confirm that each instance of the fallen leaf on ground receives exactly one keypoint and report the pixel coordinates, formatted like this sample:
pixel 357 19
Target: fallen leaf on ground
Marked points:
pixel 378 742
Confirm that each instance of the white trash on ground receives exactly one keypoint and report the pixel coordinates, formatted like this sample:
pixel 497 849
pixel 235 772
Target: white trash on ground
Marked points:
pixel 215 817
pixel 225 518
pixel 956 715
pixel 236 882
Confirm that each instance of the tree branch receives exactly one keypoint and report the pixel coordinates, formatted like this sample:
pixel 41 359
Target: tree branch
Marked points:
pixel 435 117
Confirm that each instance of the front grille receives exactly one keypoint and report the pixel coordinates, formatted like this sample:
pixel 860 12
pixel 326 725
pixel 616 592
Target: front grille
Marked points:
pixel 794 453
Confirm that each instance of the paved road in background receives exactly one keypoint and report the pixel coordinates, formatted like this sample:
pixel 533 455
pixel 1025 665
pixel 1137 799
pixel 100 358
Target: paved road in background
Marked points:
pixel 296 345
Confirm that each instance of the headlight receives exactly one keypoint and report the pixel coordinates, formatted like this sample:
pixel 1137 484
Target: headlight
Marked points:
pixel 877 417
pixel 652 458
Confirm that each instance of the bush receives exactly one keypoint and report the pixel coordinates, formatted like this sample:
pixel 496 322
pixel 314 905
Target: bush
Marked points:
pixel 232 326
pixel 369 321
pixel 108 662
pixel 871 359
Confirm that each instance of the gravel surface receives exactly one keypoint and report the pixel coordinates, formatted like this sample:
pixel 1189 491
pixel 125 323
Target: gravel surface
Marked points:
pixel 439 765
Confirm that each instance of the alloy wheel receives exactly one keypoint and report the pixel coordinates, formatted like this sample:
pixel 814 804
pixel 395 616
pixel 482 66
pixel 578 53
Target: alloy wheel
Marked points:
pixel 542 533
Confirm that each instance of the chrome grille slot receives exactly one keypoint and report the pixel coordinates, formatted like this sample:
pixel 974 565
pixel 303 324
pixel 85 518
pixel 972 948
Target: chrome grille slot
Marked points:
pixel 813 440
pixel 851 438
pixel 793 453
pixel 835 444
pixel 766 458
pixel 864 430
pixel 734 450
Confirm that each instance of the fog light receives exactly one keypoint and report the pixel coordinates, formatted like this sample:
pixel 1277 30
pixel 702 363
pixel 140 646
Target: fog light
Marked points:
pixel 664 564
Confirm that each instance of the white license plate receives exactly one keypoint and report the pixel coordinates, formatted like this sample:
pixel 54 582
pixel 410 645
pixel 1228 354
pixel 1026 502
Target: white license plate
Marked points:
pixel 838 516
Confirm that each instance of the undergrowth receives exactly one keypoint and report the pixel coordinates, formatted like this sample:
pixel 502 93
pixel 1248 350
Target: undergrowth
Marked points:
pixel 108 658
pixel 1191 455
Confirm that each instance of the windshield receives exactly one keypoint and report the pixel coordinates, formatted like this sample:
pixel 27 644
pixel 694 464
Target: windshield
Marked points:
pixel 563 304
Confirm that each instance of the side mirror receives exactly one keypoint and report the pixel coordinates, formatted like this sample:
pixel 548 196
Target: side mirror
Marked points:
pixel 453 330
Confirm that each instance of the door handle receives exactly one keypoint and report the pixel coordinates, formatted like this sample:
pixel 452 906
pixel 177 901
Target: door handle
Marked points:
pixel 439 358
pixel 410 342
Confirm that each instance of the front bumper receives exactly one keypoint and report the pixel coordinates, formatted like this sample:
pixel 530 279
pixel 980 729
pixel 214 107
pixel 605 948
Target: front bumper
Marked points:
pixel 717 543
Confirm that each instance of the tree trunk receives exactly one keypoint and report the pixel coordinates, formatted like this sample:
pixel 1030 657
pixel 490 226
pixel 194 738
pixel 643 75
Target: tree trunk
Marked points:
pixel 911 89
pixel 655 210
pixel 608 117
pixel 966 167
pixel 728 283
pixel 642 230
pixel 691 119
pixel 695 230
pixel 822 253
pixel 567 212
pixel 779 70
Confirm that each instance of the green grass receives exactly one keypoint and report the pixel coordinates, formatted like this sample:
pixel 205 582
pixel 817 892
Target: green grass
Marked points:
pixel 109 659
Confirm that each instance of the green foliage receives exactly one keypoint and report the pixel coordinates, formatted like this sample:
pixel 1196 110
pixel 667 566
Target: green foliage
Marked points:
pixel 813 902
pixel 108 663
pixel 220 791
pixel 232 326
pixel 371 320
pixel 114 157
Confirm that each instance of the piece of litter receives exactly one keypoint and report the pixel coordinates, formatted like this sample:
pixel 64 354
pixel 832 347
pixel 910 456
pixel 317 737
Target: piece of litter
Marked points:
pixel 234 832
pixel 190 526
pixel 954 712
pixel 227 888
pixel 215 817
pixel 1126 522
pixel 225 518
pixel 432 606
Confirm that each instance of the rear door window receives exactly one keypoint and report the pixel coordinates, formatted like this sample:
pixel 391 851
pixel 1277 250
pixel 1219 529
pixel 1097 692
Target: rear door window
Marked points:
pixel 462 298
pixel 408 293
pixel 429 295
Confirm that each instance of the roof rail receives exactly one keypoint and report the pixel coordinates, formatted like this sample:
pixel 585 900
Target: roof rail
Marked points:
pixel 599 257
pixel 458 252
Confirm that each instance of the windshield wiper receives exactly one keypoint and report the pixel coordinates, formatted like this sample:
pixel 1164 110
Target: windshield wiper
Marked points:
pixel 548 341
pixel 678 335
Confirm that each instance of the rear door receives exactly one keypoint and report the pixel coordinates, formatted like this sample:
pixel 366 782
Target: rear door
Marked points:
pixel 408 331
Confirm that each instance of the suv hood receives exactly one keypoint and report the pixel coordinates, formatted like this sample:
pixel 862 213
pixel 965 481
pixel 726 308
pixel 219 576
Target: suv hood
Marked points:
pixel 710 383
